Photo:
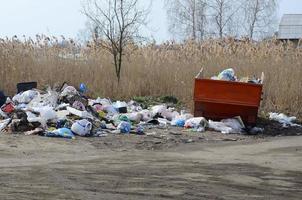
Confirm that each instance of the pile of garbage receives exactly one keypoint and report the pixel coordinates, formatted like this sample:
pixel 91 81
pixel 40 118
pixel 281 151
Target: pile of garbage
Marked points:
pixel 67 112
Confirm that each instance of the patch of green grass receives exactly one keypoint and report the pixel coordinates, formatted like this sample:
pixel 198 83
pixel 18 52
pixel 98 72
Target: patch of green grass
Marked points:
pixel 148 101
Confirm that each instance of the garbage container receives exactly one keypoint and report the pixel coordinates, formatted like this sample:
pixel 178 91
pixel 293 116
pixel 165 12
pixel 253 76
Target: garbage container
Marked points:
pixel 216 99
pixel 22 87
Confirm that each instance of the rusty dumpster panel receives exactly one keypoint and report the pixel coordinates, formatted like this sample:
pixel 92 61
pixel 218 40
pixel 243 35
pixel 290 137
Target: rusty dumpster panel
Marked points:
pixel 216 99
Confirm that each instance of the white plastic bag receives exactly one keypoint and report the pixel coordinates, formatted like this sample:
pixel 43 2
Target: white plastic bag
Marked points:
pixel 49 99
pixel 146 115
pixel 62 114
pixel 4 124
pixel 196 122
pixel 81 127
pixel 134 117
pixel 99 101
pixel 46 114
pixel 159 109
pixel 227 75
pixel 235 123
pixel 69 91
pixel 228 126
pixel 110 109
pixel 163 111
pixel 220 127
pixel 82 114
pixel 283 119
pixel 25 97
pixel 120 104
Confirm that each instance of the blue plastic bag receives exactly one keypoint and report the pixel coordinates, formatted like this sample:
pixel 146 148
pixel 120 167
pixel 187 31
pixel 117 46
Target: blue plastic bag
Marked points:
pixel 180 123
pixel 83 88
pixel 124 127
pixel 61 132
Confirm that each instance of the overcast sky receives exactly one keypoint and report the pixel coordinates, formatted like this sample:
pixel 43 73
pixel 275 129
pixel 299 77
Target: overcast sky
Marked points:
pixel 63 17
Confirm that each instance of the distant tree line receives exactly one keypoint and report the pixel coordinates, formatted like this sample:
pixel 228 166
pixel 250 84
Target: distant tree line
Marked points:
pixel 201 19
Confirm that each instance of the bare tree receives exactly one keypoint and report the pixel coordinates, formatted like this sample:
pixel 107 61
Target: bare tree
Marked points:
pixel 89 33
pixel 259 16
pixel 117 23
pixel 187 18
pixel 223 14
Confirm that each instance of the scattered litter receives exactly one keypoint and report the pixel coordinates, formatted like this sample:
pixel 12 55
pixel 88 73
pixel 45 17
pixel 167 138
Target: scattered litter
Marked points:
pixel 235 123
pixel 220 126
pixel 34 132
pixel 83 88
pixel 140 130
pixel 62 132
pixel 188 141
pixel 197 122
pixel 175 133
pixel 230 139
pixel 256 130
pixel 4 123
pixel 81 114
pixel 62 114
pixel 25 97
pixel 228 126
pixel 178 122
pixel 283 119
pixel 8 108
pixel 121 107
pixel 151 134
pixel 69 91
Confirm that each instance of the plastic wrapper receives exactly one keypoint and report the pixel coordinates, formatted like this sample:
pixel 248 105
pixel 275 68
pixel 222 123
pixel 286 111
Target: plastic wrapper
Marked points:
pixel 228 126
pixel 4 124
pixel 25 97
pixel 283 119
pixel 62 132
pixel 196 122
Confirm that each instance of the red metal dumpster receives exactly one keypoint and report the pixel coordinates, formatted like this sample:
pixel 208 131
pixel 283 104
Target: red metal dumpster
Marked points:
pixel 216 100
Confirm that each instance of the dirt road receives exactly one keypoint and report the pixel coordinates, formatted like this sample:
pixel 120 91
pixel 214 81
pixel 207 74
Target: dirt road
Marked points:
pixel 35 167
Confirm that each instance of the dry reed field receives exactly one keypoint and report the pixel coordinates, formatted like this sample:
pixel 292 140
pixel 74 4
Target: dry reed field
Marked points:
pixel 155 70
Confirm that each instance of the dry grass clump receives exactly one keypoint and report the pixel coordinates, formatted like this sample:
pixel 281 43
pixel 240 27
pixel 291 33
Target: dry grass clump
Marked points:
pixel 152 70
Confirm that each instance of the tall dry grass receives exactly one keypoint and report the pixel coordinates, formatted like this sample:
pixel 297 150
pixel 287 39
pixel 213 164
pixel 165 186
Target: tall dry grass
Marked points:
pixel 152 70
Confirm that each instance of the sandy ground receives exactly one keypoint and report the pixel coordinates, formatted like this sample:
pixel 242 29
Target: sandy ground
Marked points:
pixel 161 166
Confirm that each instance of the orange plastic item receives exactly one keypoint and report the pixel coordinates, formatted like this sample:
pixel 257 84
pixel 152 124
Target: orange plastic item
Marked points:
pixel 216 100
